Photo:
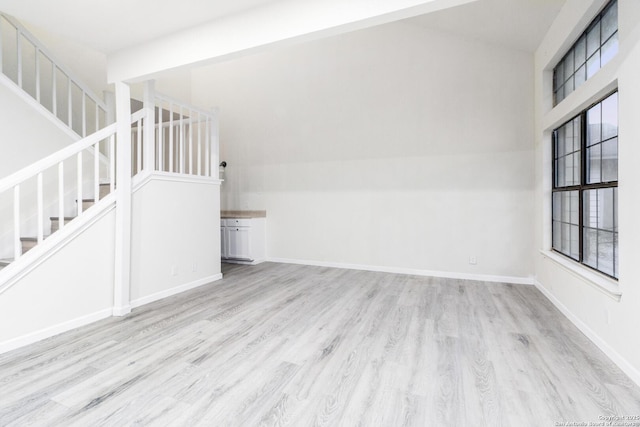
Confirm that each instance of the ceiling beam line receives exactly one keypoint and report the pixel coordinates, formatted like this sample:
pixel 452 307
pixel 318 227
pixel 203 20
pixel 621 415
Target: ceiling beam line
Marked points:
pixel 275 24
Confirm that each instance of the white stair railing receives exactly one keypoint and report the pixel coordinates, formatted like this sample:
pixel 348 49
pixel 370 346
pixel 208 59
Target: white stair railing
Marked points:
pixel 28 63
pixel 186 139
pixel 63 173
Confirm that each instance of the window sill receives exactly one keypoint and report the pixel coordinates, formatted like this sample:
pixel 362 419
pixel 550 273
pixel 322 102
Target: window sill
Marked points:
pixel 607 286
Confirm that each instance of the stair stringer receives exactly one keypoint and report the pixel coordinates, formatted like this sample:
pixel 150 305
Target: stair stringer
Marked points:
pixel 14 272
pixel 30 214
pixel 64 283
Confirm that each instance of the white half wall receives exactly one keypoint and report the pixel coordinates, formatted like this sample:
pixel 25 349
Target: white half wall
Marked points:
pixel 609 322
pixel 71 288
pixel 393 146
pixel 175 242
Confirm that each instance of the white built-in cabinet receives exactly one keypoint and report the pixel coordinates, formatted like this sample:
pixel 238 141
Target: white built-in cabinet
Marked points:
pixel 243 240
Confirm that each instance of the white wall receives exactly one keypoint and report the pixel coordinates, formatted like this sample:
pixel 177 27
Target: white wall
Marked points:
pixel 610 323
pixel 175 229
pixel 393 146
pixel 71 288
pixel 27 135
pixel 89 65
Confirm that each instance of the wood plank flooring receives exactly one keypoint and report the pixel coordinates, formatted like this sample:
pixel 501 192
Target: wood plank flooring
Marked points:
pixel 286 345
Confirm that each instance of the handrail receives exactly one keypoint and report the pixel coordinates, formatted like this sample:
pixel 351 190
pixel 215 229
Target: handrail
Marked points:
pixel 61 155
pixel 55 158
pixel 40 47
pixel 170 100
pixel 188 143
pixel 81 123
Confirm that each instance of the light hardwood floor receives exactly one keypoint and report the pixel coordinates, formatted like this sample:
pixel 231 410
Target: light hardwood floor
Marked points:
pixel 279 344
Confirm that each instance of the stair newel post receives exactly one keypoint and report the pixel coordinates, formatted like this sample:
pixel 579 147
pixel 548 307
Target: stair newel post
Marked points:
pixel 122 303
pixel 149 126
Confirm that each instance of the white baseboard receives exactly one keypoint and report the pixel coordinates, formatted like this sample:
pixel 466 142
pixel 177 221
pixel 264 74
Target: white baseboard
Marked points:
pixel 411 271
pixel 173 291
pixel 609 351
pixel 237 261
pixel 121 311
pixel 51 331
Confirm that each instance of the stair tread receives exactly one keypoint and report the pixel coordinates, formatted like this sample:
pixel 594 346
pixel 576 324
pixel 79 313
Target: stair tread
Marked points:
pixel 66 218
pixel 32 239
pixel 5 262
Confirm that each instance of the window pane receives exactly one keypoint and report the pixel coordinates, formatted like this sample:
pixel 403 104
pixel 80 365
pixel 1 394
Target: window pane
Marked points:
pixel 557 235
pixel 600 232
pixel 594 164
pixel 599 211
pixel 610 117
pixel 590 201
pixel 609 49
pixel 577 132
pixel 572 169
pixel 593 39
pixel 616 257
pixel 569 207
pixel 568 65
pixel 559 95
pixel 594 128
pixel 593 49
pixel 610 160
pixel 567 133
pixel 609 22
pixel 593 64
pixel 557 206
pixel 580 52
pixel 560 170
pixel 605 252
pixel 568 87
pixel 558 76
pixel 590 248
pixel 574 251
pixel 615 209
pixel 581 76
pixel 566 239
pixel 574 201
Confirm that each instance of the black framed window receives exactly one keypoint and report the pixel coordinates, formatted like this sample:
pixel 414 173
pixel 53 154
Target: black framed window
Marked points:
pixel 585 187
pixel 594 48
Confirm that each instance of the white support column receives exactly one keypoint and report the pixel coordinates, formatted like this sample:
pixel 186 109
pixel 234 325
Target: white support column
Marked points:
pixel 122 282
pixel 215 143
pixel 149 127
pixel 110 113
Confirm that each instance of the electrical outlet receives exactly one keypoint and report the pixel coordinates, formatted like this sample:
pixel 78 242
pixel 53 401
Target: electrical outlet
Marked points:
pixel 194 267
pixel 174 270
pixel 473 260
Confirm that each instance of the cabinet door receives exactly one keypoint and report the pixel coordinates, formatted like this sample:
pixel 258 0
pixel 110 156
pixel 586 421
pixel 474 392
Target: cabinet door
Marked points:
pixel 239 240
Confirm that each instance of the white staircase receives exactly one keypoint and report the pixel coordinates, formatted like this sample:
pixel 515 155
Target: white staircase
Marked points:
pixel 166 136
pixel 35 71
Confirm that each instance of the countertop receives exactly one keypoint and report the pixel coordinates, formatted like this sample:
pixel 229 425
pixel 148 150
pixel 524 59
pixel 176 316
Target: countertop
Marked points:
pixel 243 214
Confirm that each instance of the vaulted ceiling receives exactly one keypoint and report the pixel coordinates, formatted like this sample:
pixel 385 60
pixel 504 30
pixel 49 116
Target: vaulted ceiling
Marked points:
pixel 164 34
